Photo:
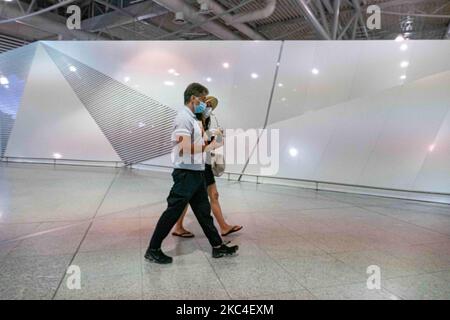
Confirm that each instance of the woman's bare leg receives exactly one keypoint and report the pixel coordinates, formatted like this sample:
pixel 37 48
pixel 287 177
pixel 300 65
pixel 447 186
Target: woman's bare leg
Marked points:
pixel 217 210
pixel 179 228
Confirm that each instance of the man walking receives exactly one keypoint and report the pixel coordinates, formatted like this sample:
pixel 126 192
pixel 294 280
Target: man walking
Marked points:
pixel 189 181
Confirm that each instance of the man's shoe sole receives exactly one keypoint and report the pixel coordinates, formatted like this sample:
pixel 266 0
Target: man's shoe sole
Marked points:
pixel 225 254
pixel 156 261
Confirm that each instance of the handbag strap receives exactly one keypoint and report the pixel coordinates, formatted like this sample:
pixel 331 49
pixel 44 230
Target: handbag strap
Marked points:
pixel 215 119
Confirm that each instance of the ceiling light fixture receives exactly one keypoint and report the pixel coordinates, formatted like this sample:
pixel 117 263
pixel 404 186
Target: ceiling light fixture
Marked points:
pixel 4 80
pixel 293 152
pixel 179 18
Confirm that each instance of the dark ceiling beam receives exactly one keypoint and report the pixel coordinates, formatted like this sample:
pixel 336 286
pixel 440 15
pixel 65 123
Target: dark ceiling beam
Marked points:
pixel 122 16
pixel 46 21
pixel 313 20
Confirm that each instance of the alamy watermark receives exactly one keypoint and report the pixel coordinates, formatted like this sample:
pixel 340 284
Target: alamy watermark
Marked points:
pixel 73 281
pixel 73 22
pixel 374 279
pixel 374 20
pixel 259 147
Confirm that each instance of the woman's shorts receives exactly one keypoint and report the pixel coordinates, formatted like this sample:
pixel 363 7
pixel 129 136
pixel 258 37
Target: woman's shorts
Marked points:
pixel 209 176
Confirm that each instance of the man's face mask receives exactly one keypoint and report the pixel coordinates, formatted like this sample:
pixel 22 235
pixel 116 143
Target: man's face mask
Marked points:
pixel 200 108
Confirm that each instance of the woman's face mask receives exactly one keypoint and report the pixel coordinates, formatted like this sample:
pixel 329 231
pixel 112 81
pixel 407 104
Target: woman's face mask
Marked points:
pixel 207 112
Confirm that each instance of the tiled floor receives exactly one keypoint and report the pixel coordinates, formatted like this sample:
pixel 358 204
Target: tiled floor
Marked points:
pixel 296 243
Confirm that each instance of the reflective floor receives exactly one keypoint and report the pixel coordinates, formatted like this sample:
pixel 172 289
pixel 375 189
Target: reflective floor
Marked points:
pixel 296 243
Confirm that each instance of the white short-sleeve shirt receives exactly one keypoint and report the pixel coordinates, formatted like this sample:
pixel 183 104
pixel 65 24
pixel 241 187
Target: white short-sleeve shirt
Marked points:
pixel 186 124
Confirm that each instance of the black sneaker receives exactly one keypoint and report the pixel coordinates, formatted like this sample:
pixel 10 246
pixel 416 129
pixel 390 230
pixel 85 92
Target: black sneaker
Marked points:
pixel 224 250
pixel 156 255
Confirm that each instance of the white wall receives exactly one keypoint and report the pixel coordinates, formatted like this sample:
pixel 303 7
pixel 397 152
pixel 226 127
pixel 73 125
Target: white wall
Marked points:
pixel 146 64
pixel 356 121
pixel 51 119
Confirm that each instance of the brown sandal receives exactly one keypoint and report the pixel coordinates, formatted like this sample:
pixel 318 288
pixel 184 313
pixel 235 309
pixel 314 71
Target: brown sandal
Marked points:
pixel 232 230
pixel 186 234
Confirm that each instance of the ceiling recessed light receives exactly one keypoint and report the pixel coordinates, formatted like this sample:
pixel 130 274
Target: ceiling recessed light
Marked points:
pixel 404 47
pixel 315 71
pixel 280 85
pixel 57 155
pixel 403 77
pixel 72 68
pixel 208 79
pixel 254 75
pixel 226 65
pixel 404 64
pixel 4 81
pixel 431 147
pixel 293 152
pixel 126 79
pixel 169 83
pixel 171 71
pixel 283 99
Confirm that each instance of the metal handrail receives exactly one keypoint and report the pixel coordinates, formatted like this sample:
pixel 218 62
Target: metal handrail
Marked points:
pixel 317 182
pixel 258 177
pixel 55 160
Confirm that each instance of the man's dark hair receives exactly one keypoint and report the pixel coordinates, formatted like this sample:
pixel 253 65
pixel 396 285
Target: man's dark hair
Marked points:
pixel 194 89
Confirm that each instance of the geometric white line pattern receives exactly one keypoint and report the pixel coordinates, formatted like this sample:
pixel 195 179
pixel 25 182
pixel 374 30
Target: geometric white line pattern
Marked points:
pixel 137 126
